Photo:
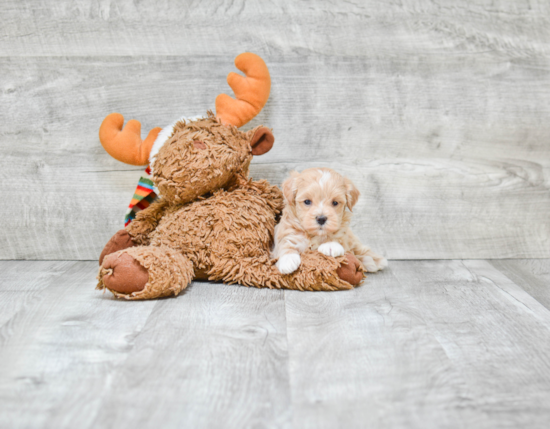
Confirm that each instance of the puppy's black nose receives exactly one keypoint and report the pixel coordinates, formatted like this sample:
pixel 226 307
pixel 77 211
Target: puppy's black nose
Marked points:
pixel 321 220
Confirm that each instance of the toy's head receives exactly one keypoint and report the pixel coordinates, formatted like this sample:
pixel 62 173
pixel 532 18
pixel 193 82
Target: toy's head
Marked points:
pixel 192 158
pixel 204 155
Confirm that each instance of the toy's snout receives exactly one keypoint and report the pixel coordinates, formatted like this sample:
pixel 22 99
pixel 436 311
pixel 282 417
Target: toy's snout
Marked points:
pixel 199 145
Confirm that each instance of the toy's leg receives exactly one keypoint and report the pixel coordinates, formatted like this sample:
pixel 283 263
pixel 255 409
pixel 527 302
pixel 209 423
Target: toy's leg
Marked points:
pixel 145 272
pixel 120 241
pixel 316 272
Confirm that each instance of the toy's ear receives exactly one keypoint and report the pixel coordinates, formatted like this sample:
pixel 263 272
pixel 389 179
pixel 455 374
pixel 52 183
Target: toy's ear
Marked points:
pixel 352 194
pixel 289 188
pixel 262 141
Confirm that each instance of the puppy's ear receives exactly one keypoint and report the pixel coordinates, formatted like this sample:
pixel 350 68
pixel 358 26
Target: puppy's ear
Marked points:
pixel 289 188
pixel 352 194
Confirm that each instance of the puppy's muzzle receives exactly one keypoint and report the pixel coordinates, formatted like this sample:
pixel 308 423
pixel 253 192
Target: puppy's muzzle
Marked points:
pixel 321 220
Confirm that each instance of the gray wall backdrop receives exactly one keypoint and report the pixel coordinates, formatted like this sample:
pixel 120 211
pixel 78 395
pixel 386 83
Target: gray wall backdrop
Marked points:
pixel 438 110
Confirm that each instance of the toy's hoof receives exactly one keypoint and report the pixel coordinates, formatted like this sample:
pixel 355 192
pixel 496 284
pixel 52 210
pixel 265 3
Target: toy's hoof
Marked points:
pixel 351 272
pixel 124 274
pixel 120 241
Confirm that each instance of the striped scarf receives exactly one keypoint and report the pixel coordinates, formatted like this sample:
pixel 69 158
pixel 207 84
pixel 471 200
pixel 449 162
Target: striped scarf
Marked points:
pixel 145 194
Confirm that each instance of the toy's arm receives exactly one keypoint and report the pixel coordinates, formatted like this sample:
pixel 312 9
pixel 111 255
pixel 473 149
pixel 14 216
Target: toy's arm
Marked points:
pixel 271 194
pixel 146 222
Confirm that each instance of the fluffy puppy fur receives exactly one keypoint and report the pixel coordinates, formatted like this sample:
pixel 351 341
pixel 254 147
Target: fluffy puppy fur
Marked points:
pixel 315 218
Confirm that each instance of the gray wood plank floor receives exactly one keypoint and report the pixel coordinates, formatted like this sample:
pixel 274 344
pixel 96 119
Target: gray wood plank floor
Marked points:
pixel 425 344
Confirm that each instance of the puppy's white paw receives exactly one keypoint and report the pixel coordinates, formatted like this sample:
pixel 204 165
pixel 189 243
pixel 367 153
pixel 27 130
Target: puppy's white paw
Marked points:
pixel 332 248
pixel 369 264
pixel 382 263
pixel 288 263
pixel 374 265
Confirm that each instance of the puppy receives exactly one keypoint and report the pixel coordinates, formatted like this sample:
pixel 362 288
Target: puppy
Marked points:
pixel 315 217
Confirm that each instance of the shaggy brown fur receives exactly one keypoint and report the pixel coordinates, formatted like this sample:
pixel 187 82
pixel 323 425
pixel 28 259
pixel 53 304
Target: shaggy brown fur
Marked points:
pixel 212 222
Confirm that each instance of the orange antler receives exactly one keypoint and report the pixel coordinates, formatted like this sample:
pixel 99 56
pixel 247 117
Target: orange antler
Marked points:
pixel 125 144
pixel 251 91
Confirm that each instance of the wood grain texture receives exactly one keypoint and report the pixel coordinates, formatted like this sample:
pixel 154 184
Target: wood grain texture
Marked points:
pixel 214 357
pixel 74 357
pixel 328 27
pixel 483 194
pixel 424 344
pixel 59 343
pixel 437 110
pixel 532 275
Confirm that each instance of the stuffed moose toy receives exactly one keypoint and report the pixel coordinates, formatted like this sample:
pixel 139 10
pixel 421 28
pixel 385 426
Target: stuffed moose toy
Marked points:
pixel 211 221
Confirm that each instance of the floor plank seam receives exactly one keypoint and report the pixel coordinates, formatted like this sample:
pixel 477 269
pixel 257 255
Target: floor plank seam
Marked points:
pixel 289 372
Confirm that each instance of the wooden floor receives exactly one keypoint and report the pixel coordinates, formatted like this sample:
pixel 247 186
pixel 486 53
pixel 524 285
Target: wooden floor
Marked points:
pixel 427 344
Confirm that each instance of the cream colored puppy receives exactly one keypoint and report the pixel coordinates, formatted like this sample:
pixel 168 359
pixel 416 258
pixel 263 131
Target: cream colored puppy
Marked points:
pixel 315 217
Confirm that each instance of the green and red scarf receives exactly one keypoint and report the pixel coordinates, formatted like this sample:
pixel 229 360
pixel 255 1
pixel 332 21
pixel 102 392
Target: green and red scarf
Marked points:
pixel 144 195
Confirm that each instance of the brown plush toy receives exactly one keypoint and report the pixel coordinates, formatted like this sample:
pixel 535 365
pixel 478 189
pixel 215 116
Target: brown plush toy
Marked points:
pixel 211 221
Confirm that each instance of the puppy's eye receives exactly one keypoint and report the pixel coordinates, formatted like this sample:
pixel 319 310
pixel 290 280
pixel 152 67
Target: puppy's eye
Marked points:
pixel 335 203
pixel 307 202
